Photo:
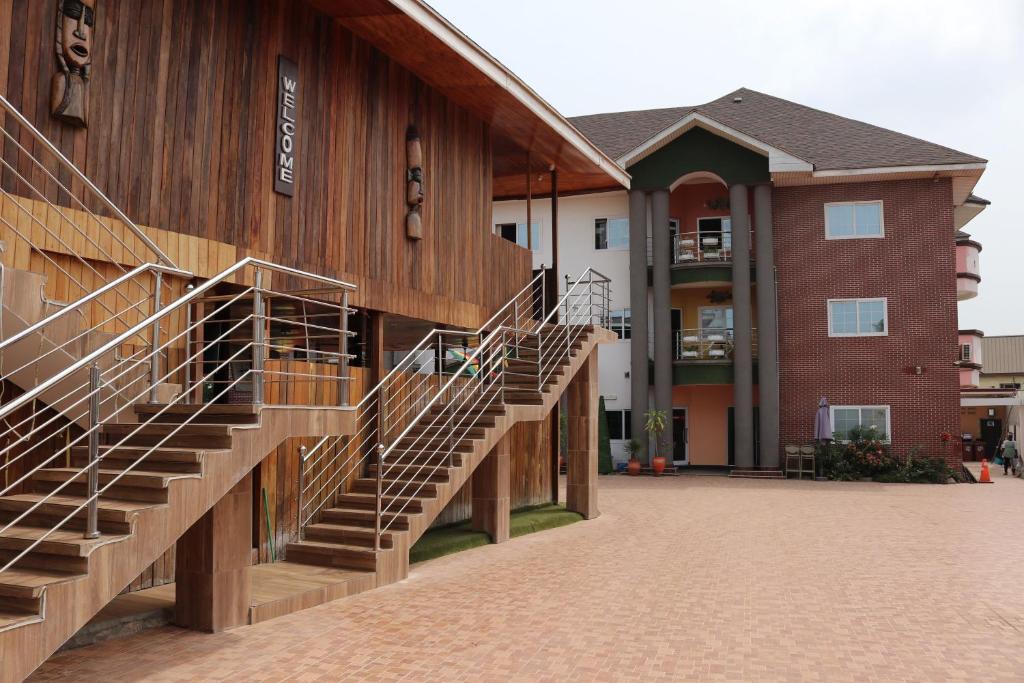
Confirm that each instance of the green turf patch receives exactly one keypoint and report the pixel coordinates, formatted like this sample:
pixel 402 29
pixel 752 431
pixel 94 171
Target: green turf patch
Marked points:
pixel 458 537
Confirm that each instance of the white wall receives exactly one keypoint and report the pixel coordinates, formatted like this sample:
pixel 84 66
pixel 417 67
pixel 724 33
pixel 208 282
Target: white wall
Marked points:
pixel 576 252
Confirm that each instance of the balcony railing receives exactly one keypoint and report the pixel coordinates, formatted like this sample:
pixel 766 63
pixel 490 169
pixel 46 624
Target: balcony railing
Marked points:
pixel 707 344
pixel 699 247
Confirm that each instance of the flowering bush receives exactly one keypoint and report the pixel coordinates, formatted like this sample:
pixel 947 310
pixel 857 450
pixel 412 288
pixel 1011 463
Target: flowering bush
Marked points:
pixel 866 452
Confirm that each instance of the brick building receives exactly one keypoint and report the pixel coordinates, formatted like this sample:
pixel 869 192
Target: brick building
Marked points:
pixel 842 283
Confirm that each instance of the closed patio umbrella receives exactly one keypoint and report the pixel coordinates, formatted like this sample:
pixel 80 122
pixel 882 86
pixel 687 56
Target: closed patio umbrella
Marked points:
pixel 822 422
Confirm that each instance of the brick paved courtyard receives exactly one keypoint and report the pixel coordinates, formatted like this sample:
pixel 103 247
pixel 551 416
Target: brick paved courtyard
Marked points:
pixel 680 578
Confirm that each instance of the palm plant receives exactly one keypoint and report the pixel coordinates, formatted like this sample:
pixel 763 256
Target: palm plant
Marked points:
pixel 654 425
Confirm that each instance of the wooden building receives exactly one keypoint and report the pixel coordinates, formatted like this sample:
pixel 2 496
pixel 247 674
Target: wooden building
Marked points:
pixel 362 141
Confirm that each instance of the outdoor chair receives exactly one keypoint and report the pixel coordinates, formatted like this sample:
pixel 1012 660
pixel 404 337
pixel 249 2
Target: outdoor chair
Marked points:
pixel 793 458
pixel 807 461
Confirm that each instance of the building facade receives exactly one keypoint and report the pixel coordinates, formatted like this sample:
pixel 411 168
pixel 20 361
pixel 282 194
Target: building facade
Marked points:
pixel 769 255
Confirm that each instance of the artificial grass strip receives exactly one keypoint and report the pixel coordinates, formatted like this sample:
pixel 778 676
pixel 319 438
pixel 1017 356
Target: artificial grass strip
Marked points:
pixel 541 517
pixel 458 537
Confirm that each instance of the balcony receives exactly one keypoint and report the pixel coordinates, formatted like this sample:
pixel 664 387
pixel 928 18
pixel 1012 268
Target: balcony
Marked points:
pixel 707 345
pixel 701 258
pixel 968 270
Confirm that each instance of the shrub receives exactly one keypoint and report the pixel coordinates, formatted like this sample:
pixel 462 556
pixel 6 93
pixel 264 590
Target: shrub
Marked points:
pixel 919 470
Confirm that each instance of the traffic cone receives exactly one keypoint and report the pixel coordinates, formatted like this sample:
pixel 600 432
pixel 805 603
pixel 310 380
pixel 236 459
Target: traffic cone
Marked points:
pixel 985 477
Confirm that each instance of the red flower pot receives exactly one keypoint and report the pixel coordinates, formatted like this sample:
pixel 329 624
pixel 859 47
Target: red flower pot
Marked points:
pixel 658 465
pixel 633 467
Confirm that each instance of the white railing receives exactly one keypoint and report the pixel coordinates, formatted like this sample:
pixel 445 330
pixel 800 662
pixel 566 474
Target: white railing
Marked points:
pixel 698 247
pixel 100 388
pixel 707 344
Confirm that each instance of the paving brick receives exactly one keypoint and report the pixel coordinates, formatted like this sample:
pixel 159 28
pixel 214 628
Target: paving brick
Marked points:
pixel 701 578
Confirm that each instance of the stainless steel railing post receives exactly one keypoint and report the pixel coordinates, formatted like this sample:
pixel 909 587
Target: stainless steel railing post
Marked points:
pixel 187 392
pixel 257 337
pixel 380 478
pixel 154 343
pixel 343 353
pixel 302 484
pixel 93 476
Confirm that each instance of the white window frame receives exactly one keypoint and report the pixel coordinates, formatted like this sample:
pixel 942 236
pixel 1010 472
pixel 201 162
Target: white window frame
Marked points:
pixel 965 353
pixel 537 223
pixel 620 328
pixel 608 220
pixel 855 236
pixel 885 316
pixel 888 419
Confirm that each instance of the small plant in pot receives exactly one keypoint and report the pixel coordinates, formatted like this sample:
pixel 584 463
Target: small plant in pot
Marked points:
pixel 654 425
pixel 633 450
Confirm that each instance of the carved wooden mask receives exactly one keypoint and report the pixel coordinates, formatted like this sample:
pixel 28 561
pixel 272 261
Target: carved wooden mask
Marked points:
pixel 414 184
pixel 76 20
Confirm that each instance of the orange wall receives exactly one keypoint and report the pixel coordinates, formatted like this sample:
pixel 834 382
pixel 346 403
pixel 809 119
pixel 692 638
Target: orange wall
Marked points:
pixel 707 418
pixel 687 203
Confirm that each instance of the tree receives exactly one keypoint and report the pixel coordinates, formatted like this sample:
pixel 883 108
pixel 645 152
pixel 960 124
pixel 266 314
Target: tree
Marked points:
pixel 604 446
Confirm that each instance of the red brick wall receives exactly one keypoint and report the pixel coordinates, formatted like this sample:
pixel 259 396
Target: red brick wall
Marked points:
pixel 914 267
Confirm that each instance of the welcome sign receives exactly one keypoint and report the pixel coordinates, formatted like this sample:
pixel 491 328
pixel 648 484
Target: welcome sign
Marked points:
pixel 287 104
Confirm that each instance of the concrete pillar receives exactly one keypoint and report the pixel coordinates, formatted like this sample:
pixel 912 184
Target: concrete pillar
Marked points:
pixel 581 465
pixel 661 245
pixel 491 497
pixel 212 563
pixel 638 304
pixel 743 370
pixel 767 329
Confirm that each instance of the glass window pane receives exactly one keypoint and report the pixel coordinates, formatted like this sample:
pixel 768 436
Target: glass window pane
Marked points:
pixel 839 218
pixel 844 419
pixel 627 425
pixel 614 424
pixel 874 418
pixel 844 317
pixel 872 317
pixel 627 324
pixel 716 318
pixel 618 233
pixel 600 233
pixel 868 218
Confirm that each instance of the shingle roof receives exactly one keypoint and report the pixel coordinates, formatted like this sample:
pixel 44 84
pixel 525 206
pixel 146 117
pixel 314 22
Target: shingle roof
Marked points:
pixel 1002 355
pixel 825 140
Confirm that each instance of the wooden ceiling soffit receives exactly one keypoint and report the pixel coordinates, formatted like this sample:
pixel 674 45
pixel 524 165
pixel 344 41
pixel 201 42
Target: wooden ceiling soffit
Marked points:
pixel 421 40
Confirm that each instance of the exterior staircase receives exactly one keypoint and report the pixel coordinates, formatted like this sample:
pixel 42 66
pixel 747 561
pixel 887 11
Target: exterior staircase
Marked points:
pixel 370 520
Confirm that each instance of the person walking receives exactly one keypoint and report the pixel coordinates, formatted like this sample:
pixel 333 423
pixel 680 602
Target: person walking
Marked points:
pixel 1008 451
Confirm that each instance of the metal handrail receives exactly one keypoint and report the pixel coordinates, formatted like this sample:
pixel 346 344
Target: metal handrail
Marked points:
pixel 182 301
pixel 373 401
pixel 82 178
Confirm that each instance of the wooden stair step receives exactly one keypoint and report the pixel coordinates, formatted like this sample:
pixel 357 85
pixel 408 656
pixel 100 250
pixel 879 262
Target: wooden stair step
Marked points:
pixel 207 436
pixel 160 454
pixel 362 537
pixel 28 584
pixel 399 487
pixel 211 413
pixel 11 617
pixel 414 457
pixel 141 460
pixel 367 501
pixel 332 555
pixel 149 480
pixel 438 475
pixel 364 518
pixel 61 542
pixel 114 516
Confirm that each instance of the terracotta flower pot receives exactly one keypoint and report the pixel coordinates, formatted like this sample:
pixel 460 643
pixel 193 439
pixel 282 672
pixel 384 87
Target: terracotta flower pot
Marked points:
pixel 658 465
pixel 633 467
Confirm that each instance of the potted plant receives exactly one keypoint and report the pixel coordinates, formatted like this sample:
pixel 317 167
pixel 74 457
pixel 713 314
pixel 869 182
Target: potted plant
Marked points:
pixel 633 449
pixel 654 425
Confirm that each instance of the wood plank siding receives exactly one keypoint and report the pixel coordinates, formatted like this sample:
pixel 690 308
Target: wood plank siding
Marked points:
pixel 181 137
pixel 181 115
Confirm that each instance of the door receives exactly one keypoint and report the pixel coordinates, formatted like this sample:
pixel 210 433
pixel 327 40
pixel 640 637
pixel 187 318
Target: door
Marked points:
pixel 991 434
pixel 757 438
pixel 679 455
pixel 677 333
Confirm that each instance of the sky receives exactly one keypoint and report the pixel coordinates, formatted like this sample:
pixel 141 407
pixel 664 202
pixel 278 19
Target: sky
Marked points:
pixel 949 72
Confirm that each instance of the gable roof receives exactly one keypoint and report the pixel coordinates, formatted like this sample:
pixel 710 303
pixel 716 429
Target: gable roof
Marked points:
pixel 823 140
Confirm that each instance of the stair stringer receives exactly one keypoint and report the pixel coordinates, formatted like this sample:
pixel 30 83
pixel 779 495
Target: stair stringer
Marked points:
pixel 393 563
pixel 69 605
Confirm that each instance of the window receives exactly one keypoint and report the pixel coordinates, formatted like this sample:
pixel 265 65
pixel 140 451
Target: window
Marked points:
pixel 845 418
pixel 611 233
pixel 619 427
pixel 716 318
pixel 715 227
pixel 858 318
pixel 516 232
pixel 621 323
pixel 965 353
pixel 846 220
pixel 1009 385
